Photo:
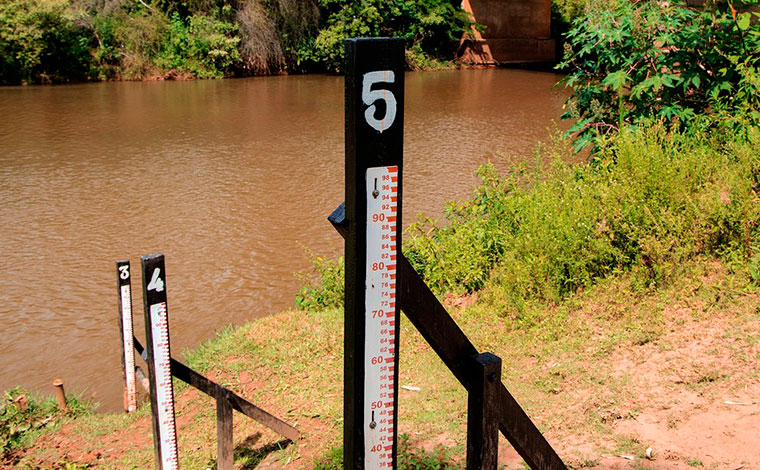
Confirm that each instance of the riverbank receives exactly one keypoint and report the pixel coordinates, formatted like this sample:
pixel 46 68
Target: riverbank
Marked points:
pixel 622 297
pixel 605 377
pixel 60 41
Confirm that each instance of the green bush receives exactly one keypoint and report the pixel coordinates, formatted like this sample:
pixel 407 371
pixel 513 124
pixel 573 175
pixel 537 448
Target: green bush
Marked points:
pixel 645 60
pixel 129 42
pixel 323 288
pixel 432 28
pixel 39 42
pixel 204 46
pixel 652 200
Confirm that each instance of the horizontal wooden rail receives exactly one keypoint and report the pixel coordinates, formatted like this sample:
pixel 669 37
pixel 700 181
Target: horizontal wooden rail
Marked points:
pixel 439 329
pixel 214 390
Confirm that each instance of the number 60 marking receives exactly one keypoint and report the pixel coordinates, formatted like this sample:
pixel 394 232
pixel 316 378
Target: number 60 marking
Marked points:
pixel 370 96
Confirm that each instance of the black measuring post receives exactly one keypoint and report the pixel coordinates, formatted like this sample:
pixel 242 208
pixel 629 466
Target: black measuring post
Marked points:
pixel 124 288
pixel 374 94
pixel 159 362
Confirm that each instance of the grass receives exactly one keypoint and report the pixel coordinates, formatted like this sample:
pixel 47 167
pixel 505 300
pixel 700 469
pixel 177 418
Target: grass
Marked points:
pixel 25 416
pixel 564 370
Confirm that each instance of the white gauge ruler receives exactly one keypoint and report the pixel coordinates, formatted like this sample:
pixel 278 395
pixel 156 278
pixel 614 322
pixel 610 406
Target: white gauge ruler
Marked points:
pixel 128 343
pixel 159 325
pixel 380 317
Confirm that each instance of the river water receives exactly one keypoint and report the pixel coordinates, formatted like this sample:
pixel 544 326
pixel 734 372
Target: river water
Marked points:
pixel 227 178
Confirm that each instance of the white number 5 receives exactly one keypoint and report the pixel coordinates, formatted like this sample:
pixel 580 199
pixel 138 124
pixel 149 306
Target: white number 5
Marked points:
pixel 369 96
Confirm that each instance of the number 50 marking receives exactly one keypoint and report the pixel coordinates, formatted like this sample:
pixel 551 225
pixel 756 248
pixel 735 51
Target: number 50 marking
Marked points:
pixel 370 96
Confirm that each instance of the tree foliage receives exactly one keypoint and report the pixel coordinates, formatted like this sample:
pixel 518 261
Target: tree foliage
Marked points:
pixel 430 28
pixel 40 42
pixel 652 60
pixel 55 40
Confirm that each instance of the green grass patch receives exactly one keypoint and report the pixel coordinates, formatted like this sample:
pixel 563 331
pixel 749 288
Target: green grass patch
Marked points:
pixel 24 416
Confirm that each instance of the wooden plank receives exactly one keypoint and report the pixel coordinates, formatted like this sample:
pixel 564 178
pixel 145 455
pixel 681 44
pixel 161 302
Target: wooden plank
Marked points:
pixel 212 389
pixel 224 451
pixel 483 413
pixel 434 323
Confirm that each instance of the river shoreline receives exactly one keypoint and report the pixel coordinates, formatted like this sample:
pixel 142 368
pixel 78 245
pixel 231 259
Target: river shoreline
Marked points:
pixel 218 157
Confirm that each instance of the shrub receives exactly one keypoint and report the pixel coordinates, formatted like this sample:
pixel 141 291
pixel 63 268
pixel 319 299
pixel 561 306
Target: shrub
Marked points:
pixel 652 200
pixel 645 60
pixel 40 43
pixel 205 45
pixel 129 42
pixel 431 27
pixel 323 288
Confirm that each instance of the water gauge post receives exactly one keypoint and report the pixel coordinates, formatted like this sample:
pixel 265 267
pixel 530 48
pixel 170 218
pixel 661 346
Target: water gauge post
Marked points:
pixel 124 286
pixel 159 362
pixel 374 87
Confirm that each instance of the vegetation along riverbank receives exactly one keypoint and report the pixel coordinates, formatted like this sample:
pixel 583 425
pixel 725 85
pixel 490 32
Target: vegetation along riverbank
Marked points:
pixel 44 41
pixel 55 41
pixel 622 293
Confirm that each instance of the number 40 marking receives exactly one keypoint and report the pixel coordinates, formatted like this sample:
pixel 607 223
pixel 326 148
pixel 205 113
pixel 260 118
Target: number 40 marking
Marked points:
pixel 370 96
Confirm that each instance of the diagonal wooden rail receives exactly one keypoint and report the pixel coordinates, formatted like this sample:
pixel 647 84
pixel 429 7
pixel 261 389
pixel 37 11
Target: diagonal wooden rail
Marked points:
pixel 223 394
pixel 439 329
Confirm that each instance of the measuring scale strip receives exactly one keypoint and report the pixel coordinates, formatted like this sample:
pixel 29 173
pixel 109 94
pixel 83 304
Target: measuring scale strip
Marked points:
pixel 380 317
pixel 129 355
pixel 164 391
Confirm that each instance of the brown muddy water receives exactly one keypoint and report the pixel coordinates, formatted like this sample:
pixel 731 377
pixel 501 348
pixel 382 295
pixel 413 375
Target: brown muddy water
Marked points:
pixel 227 178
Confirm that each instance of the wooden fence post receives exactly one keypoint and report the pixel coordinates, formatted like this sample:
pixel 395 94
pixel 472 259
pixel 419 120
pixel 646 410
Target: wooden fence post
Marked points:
pixel 224 452
pixel 483 413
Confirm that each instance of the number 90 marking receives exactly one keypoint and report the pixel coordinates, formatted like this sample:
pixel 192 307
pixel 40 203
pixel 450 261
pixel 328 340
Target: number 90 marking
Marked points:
pixel 370 96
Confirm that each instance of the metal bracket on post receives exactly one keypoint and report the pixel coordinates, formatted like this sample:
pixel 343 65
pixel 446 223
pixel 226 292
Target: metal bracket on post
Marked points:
pixel 374 87
pixel 483 413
